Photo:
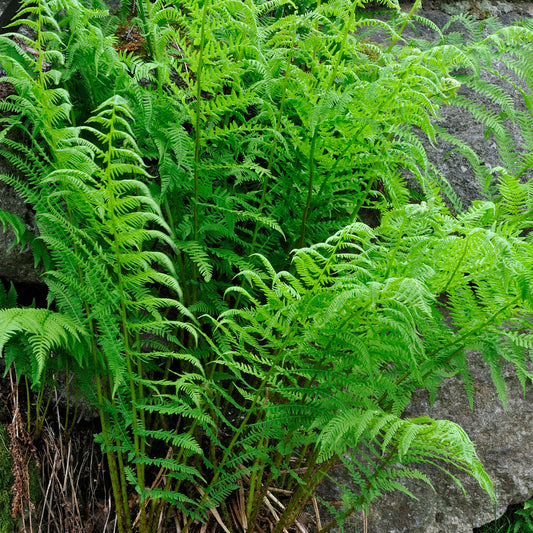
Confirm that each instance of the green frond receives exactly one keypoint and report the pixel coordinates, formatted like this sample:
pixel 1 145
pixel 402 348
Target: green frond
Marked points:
pixel 515 195
pixel 184 441
pixel 45 330
pixel 22 235
pixel 198 254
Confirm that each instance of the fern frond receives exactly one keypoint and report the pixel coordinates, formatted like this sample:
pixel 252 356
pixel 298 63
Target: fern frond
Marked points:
pixel 45 330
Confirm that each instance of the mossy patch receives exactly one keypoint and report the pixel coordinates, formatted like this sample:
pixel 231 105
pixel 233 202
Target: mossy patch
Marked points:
pixel 7 479
pixel 7 523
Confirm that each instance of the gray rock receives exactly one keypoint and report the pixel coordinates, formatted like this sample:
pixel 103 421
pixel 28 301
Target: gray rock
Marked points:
pixel 504 442
pixel 456 8
pixel 14 265
pixel 479 8
pixel 485 8
pixel 503 437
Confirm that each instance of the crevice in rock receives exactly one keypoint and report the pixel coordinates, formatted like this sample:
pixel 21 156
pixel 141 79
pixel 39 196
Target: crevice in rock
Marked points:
pixel 502 523
pixel 28 293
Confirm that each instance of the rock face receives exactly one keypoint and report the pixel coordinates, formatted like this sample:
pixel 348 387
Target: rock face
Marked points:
pixel 503 436
pixel 14 265
pixel 504 442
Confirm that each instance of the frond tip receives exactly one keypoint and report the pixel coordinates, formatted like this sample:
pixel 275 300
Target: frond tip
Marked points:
pixel 404 441
pixel 44 330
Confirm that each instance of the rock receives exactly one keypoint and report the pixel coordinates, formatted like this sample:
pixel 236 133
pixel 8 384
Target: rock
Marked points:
pixel 455 8
pixel 14 265
pixel 504 443
pixel 478 8
pixel 462 125
pixel 503 436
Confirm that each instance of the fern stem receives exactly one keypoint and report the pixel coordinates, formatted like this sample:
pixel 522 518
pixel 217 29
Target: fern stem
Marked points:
pixel 40 413
pixel 272 149
pixel 255 490
pixel 310 460
pixel 310 481
pixel 197 128
pixel 259 395
pixel 329 83
pixel 123 485
pixel 467 335
pixel 197 146
pixel 137 419
pixel 118 482
pixel 146 31
pixel 440 364
pixel 394 40
pixel 392 255
pixel 361 503
pixel 70 428
pixel 305 215
pixel 458 265
pixel 128 356
pixel 142 450
pixel 340 52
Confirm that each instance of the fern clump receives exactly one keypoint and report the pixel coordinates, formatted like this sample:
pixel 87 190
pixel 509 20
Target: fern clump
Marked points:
pixel 345 341
pixel 170 186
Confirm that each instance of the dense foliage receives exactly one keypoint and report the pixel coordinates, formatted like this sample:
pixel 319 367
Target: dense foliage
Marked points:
pixel 175 155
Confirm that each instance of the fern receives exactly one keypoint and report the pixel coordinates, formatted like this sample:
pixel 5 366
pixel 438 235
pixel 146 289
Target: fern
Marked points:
pixel 342 342
pixel 163 176
pixel 44 330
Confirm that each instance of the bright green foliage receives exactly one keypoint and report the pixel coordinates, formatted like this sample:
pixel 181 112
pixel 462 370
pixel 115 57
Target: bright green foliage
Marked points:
pixel 363 323
pixel 517 519
pixel 45 330
pixel 161 181
pixel 524 518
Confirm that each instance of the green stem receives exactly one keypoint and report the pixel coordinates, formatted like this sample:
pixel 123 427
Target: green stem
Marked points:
pixel 329 83
pixel 460 341
pixel 272 149
pixel 310 481
pixel 394 40
pixel 146 31
pixel 459 263
pixel 244 423
pixel 305 215
pixel 197 127
pixel 197 147
pixel 28 404
pixel 345 32
pixel 386 461
pixel 128 353
pixel 392 255
pixel 117 484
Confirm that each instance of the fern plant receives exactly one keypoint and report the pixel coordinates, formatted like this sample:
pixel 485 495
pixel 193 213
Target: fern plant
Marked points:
pixel 291 128
pixel 336 350
pixel 95 219
pixel 238 134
